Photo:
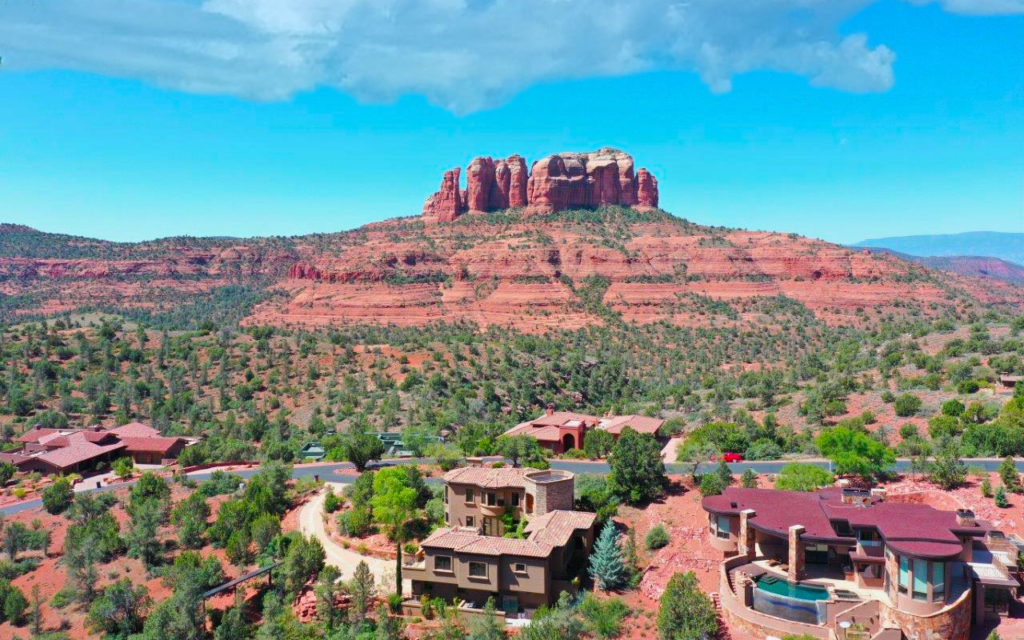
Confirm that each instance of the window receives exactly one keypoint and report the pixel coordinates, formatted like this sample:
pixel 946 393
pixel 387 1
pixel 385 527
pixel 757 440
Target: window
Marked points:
pixel 492 499
pixel 470 496
pixel 446 494
pixel 722 525
pixel 477 570
pixel 470 521
pixel 938 581
pixel 904 574
pixel 515 499
pixel 920 579
pixel 491 527
pixel 519 567
pixel 443 563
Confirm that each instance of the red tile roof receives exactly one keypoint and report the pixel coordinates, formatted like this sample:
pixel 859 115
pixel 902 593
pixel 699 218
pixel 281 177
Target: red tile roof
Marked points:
pixel 77 451
pixel 556 527
pixel 640 424
pixel 546 426
pixel 34 434
pixel 135 430
pixel 469 541
pixel 912 529
pixel 489 477
pixel 149 445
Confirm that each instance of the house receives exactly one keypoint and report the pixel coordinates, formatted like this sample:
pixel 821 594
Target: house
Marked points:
pixel 564 430
pixel 839 562
pixel 1009 382
pixel 469 559
pixel 78 450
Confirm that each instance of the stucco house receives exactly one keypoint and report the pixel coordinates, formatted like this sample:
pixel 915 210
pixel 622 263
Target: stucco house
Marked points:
pixel 564 430
pixel 470 560
pixel 844 563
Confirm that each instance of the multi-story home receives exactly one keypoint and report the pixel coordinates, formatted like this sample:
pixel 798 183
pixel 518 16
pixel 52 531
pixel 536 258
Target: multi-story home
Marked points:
pixel 470 560
pixel 844 563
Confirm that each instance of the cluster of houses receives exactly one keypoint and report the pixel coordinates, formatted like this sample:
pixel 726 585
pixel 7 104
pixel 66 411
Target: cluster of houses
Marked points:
pixel 47 450
pixel 845 563
pixel 564 430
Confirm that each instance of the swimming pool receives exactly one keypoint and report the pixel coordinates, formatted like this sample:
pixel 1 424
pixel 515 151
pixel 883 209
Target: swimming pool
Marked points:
pixel 799 591
pixel 798 602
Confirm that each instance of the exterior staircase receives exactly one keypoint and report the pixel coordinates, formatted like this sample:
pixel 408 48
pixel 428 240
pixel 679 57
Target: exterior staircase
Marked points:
pixel 723 630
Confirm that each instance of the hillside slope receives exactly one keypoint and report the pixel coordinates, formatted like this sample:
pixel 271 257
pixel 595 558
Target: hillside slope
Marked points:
pixel 562 270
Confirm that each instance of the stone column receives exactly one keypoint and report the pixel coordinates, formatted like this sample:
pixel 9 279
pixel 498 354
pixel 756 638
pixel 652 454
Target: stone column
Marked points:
pixel 796 553
pixel 746 542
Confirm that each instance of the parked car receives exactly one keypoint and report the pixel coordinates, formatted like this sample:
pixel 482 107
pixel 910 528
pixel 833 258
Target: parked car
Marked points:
pixel 729 456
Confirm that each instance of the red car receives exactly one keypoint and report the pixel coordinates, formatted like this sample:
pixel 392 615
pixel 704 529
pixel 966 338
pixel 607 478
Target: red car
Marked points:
pixel 729 456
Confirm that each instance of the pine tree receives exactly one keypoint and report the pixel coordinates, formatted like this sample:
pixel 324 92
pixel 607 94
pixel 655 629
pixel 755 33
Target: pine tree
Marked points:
pixel 361 589
pixel 1009 475
pixel 1000 499
pixel 607 566
pixel 686 612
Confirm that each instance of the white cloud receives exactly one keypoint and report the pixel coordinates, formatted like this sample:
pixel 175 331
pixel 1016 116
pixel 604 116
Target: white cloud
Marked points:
pixel 464 55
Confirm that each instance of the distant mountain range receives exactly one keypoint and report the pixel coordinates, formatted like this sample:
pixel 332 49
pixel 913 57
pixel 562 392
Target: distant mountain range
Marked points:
pixel 988 244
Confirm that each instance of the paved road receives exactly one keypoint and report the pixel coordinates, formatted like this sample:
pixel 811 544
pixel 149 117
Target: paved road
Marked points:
pixel 326 471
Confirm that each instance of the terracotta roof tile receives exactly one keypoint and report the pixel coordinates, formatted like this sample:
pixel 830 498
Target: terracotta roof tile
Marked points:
pixel 469 541
pixel 489 477
pixel 556 527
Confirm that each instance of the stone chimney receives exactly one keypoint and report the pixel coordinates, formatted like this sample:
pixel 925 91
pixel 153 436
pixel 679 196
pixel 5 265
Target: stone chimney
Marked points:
pixel 549 410
pixel 965 518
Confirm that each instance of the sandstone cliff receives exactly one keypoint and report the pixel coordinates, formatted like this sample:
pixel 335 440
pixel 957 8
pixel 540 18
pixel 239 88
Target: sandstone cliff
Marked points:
pixel 556 182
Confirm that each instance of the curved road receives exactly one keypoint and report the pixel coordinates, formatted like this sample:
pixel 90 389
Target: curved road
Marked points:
pixel 327 471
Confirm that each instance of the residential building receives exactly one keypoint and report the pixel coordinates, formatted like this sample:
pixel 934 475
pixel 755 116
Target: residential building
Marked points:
pixel 845 563
pixel 79 450
pixel 471 561
pixel 564 430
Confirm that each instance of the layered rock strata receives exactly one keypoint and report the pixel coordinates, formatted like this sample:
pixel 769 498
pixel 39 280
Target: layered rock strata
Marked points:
pixel 555 183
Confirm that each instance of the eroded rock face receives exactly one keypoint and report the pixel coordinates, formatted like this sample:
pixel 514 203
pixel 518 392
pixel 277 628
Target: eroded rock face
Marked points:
pixel 446 203
pixel 556 182
pixel 646 190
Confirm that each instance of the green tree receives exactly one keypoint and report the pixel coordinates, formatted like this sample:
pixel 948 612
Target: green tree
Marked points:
pixel 328 589
pixel 487 627
pixel 233 624
pixel 7 471
pixel 598 443
pixel 190 516
pixel 749 479
pixel 607 567
pixel 361 588
pixel 800 476
pixel 656 538
pixel 948 470
pixel 906 405
pixel 854 451
pixel 394 502
pixel 1000 499
pixel 361 448
pixel 120 610
pixel 58 496
pixel 142 538
pixel 1009 475
pixel 603 617
pixel 520 449
pixel 637 470
pixel 123 467
pixel 303 562
pixel 685 611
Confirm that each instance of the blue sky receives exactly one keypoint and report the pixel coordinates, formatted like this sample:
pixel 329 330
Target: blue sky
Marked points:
pixel 839 119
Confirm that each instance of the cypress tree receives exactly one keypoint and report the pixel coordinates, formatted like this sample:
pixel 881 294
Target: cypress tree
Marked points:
pixel 607 566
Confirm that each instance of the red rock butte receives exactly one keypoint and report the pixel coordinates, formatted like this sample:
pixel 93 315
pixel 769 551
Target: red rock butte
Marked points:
pixel 556 182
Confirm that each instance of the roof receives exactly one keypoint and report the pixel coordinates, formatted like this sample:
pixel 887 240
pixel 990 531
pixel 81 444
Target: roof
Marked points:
pixel 489 477
pixel 911 529
pixel 469 541
pixel 77 451
pixel 556 527
pixel 640 424
pixel 34 434
pixel 150 445
pixel 546 426
pixel 135 430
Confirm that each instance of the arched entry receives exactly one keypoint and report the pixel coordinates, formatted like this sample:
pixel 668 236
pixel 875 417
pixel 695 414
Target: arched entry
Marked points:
pixel 568 442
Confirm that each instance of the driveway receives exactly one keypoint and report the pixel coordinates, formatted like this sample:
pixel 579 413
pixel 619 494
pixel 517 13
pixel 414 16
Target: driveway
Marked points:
pixel 311 523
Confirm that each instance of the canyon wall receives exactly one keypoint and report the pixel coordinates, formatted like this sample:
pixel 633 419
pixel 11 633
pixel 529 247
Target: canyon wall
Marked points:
pixel 555 183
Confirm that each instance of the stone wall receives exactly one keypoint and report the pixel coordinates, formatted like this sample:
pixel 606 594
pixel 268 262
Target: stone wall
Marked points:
pixel 551 496
pixel 952 623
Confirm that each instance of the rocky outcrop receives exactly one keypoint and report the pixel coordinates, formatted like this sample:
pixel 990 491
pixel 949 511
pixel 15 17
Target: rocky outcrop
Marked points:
pixel 446 203
pixel 556 182
pixel 646 190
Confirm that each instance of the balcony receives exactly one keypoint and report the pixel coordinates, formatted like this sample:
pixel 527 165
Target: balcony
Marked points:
pixel 492 510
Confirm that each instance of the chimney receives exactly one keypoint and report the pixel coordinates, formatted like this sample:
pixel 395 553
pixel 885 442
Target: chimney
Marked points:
pixel 965 518
pixel 550 409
